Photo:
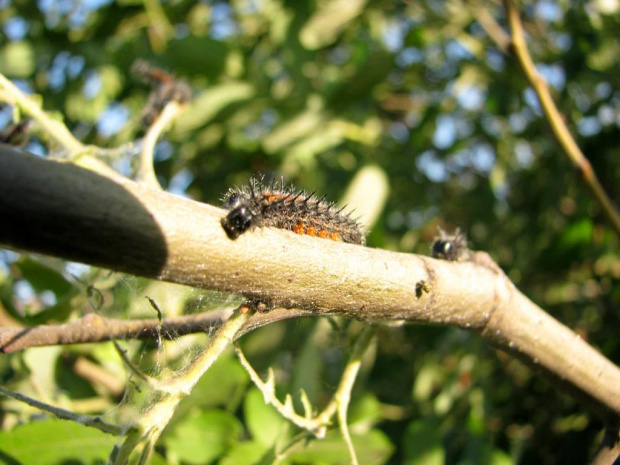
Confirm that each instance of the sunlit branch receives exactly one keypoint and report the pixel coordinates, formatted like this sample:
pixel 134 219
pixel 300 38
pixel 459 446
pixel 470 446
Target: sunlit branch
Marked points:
pixel 95 328
pixel 53 128
pixel 146 172
pixel 61 210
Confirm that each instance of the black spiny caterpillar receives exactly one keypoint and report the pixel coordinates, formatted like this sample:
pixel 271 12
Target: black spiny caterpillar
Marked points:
pixel 451 247
pixel 261 204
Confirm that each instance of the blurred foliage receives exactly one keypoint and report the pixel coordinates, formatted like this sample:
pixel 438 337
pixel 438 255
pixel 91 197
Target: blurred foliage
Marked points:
pixel 316 91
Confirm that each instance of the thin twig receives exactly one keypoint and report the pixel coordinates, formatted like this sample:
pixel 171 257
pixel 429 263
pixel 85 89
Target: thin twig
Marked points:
pixel 132 366
pixel 491 26
pixel 94 422
pixel 53 128
pixel 146 172
pixel 166 395
pixel 558 126
pixel 285 409
pixel 343 394
pixel 95 328
pixel 338 404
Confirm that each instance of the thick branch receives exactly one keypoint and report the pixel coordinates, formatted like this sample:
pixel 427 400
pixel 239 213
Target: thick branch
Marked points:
pixel 63 210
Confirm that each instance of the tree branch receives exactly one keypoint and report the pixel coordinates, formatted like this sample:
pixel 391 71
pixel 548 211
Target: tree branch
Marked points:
pixel 86 420
pixel 63 210
pixel 55 129
pixel 146 170
pixel 558 126
pixel 95 328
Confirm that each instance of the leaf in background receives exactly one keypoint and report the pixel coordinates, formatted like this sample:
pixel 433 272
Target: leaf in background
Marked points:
pixel 326 24
pixel 245 453
pixel 364 413
pixel 17 59
pixel 422 444
pixel 42 363
pixel 265 424
pixel 203 437
pixel 208 104
pixel 193 55
pixel 296 128
pixel 373 448
pixel 42 277
pixel 223 385
pixel 578 234
pixel 54 442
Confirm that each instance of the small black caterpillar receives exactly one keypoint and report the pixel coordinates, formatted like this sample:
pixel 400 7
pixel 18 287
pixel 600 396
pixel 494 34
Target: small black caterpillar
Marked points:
pixel 451 247
pixel 261 204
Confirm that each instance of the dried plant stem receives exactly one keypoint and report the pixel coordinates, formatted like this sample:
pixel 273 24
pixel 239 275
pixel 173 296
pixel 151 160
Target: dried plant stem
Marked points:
pixel 267 388
pixel 338 405
pixel 558 126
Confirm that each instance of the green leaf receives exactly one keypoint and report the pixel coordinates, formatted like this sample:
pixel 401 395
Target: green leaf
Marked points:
pixel 17 59
pixel 364 412
pixel 578 234
pixel 422 444
pixel 195 55
pixel 371 448
pixel 264 422
pixel 326 24
pixel 55 442
pixel 499 457
pixel 43 278
pixel 245 453
pixel 203 436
